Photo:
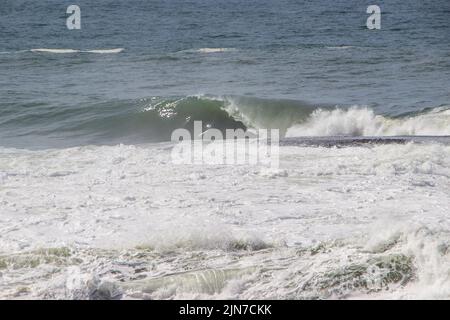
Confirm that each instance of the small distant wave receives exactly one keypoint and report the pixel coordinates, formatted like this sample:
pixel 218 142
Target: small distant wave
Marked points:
pixel 55 50
pixel 103 51
pixel 215 50
pixel 340 47
pixel 14 52
pixel 62 51
pixel 206 50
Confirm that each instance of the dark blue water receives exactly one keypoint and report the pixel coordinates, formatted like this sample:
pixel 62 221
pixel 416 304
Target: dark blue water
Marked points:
pixel 284 52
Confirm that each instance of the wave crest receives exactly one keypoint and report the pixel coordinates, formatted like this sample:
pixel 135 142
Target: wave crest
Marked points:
pixel 154 119
pixel 364 122
pixel 100 51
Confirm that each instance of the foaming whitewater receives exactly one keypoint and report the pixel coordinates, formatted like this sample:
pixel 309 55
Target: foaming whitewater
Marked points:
pixel 331 223
pixel 93 206
pixel 364 122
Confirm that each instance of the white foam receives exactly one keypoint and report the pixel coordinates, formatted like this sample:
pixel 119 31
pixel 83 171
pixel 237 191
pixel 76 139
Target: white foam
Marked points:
pixel 332 207
pixel 65 51
pixel 13 52
pixel 55 50
pixel 104 51
pixel 364 122
pixel 429 245
pixel 215 50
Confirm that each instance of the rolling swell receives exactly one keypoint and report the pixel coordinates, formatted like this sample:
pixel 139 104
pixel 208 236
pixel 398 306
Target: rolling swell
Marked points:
pixel 126 121
pixel 154 119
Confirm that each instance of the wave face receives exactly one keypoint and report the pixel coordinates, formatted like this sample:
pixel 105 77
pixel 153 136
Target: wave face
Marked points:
pixel 129 121
pixel 154 119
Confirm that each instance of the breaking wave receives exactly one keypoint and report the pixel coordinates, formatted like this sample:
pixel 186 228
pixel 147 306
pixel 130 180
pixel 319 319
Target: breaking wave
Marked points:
pixel 154 119
pixel 100 51
pixel 364 122
pixel 65 51
pixel 215 50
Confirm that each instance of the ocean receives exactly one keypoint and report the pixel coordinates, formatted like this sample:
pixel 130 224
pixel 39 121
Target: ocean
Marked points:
pixel 357 209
